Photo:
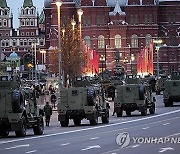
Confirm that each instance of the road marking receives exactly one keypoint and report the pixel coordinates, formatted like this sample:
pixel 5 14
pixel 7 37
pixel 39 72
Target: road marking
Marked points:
pixel 31 151
pixel 173 135
pixel 94 138
pixel 135 146
pixel 166 124
pixel 165 149
pixel 65 144
pixel 91 147
pixel 92 128
pixel 18 146
pixel 145 128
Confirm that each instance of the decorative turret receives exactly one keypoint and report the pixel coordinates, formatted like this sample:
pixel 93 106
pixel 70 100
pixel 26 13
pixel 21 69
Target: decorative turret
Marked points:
pixel 3 4
pixel 117 9
pixel 28 3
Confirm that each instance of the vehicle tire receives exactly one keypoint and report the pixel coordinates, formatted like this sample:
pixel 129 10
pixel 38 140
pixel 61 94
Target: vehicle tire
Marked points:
pixel 65 123
pixel 91 97
pixel 94 121
pixel 152 110
pixel 77 122
pixel 17 101
pixel 22 131
pixel 4 133
pixel 128 113
pixel 144 112
pixel 39 128
pixel 166 103
pixel 105 118
pixel 141 92
pixel 119 113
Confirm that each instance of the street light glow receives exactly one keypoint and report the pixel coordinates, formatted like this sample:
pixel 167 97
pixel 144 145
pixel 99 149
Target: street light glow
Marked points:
pixel 58 3
pixel 159 41
pixel 80 13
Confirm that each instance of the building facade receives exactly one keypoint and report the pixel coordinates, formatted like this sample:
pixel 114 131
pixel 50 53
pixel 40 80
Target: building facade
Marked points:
pixel 123 28
pixel 21 40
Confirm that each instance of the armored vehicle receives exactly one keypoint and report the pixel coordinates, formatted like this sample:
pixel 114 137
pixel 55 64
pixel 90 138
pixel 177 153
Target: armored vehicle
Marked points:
pixel 160 84
pixel 172 90
pixel 133 95
pixel 83 100
pixel 19 109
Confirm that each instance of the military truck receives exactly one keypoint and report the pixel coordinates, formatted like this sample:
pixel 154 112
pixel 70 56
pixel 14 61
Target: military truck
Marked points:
pixel 160 84
pixel 83 100
pixel 171 92
pixel 18 108
pixel 133 95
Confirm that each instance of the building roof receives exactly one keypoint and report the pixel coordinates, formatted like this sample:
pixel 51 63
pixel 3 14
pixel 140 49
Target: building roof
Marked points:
pixel 27 3
pixel 42 17
pixel 113 2
pixel 3 4
pixel 117 9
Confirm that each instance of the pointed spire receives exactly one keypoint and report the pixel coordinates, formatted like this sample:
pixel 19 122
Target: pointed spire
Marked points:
pixel 117 9
pixel 3 4
pixel 28 3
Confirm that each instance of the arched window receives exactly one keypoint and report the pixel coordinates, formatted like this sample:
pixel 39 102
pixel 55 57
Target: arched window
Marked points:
pixel 25 42
pixel 5 23
pixel 87 41
pixel 22 22
pixel 0 23
pixel 32 22
pixel 134 41
pixel 101 42
pixel 27 22
pixel 27 11
pixel 117 41
pixel 32 11
pixel 148 39
pixel 22 12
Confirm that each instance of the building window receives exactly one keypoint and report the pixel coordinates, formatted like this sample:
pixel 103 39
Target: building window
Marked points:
pixel 14 42
pixel 27 34
pixel 148 39
pixel 32 33
pixel 22 34
pixel 134 41
pixel 136 19
pixel 131 19
pixel 100 20
pixel 32 23
pixel 150 19
pixel 29 42
pixel 41 42
pixel 172 17
pixel 5 23
pixel 21 43
pixel 117 41
pixel 87 41
pixel 145 18
pixel 101 42
pixel 22 22
pixel 27 22
pixel 7 34
pixel 32 11
pixel 172 40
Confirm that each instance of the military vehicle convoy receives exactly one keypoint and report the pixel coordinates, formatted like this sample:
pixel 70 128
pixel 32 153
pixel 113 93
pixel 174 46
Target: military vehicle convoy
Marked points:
pixel 172 90
pixel 160 84
pixel 83 100
pixel 18 108
pixel 133 95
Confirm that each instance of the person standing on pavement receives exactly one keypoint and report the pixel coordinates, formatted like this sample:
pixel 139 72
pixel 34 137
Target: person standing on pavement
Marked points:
pixel 53 100
pixel 48 113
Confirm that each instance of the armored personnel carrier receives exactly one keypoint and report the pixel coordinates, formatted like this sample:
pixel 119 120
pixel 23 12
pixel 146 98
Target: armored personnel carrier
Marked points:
pixel 83 100
pixel 133 95
pixel 18 108
pixel 172 90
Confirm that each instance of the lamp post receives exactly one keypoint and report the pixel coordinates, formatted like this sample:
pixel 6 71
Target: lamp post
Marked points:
pixel 43 52
pixel 132 59
pixel 80 13
pixel 102 59
pixel 106 46
pixel 58 4
pixel 35 59
pixel 157 42
pixel 73 23
pixel 63 32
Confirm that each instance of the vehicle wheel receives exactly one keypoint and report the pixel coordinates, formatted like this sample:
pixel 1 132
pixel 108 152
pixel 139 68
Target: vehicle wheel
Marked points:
pixel 152 110
pixel 94 121
pixel 119 113
pixel 170 103
pixel 166 102
pixel 77 122
pixel 17 101
pixel 105 117
pixel 144 112
pixel 128 113
pixel 4 133
pixel 65 123
pixel 39 128
pixel 22 131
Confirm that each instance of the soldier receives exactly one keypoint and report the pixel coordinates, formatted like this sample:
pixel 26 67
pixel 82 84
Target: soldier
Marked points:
pixel 53 100
pixel 48 113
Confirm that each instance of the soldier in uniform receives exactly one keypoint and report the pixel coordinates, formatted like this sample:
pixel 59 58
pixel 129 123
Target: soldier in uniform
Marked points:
pixel 48 113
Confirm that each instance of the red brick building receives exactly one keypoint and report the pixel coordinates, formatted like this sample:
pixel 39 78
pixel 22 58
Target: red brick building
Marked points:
pixel 20 40
pixel 123 28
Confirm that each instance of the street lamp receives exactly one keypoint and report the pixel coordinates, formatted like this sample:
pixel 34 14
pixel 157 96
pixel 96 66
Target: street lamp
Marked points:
pixel 35 59
pixel 132 59
pixel 43 52
pixel 157 42
pixel 80 13
pixel 106 46
pixel 102 59
pixel 58 4
pixel 73 23
pixel 63 32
